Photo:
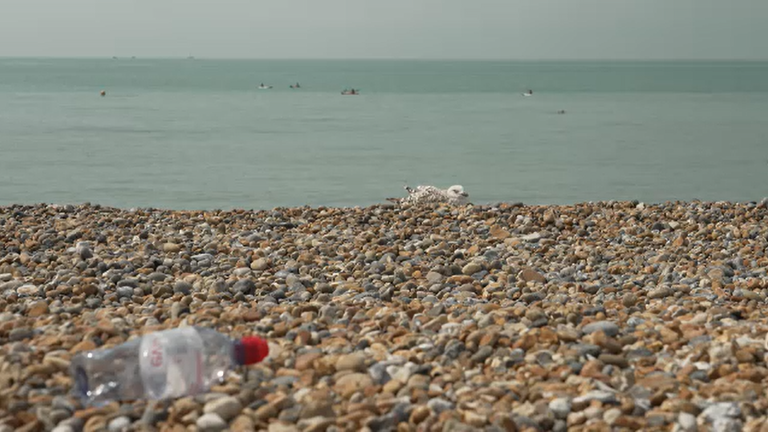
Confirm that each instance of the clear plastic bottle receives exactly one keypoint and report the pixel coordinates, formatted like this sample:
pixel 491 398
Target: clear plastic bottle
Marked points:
pixel 162 365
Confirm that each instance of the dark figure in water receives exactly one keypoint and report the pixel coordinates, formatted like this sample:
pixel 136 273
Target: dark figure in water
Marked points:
pixel 561 112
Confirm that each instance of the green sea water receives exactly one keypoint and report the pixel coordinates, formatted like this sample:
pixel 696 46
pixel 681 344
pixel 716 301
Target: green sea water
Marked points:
pixel 199 134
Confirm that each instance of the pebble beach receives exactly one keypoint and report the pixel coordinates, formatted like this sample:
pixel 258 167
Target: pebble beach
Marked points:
pixel 595 316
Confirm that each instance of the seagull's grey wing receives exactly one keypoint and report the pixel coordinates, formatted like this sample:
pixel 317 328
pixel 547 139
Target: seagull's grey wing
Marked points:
pixel 428 194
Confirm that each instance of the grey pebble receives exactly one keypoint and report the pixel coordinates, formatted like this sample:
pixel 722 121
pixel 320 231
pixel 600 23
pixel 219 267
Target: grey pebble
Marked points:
pixel 609 328
pixel 157 277
pixel 124 291
pixel 210 422
pixel 226 408
pixel 119 424
pixel 482 354
pixel 686 422
pixel 20 333
pixel 438 405
pixel 245 286
pixel 560 407
pixel 598 395
pixel 726 424
pixel 182 287
pixel 721 410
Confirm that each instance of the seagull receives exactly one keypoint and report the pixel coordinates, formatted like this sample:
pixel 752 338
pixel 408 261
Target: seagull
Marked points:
pixel 454 195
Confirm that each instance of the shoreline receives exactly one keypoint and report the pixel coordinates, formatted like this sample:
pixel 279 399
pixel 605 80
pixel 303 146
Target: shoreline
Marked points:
pixel 386 205
pixel 510 316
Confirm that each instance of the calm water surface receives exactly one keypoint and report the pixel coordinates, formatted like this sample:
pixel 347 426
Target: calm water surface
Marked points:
pixel 199 134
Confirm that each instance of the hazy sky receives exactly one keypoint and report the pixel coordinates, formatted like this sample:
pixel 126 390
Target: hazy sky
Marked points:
pixel 422 29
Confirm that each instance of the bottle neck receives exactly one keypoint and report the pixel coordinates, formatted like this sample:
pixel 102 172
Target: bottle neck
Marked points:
pixel 249 350
pixel 238 353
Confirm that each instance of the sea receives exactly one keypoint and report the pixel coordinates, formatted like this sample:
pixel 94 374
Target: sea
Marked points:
pixel 200 134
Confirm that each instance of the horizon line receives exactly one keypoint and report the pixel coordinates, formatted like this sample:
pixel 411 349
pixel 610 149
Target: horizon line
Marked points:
pixel 489 59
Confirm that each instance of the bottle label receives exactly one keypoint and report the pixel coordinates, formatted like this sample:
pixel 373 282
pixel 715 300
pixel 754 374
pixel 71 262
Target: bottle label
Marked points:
pixel 171 363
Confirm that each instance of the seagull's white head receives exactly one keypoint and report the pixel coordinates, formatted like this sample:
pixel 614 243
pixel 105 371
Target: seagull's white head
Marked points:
pixel 456 192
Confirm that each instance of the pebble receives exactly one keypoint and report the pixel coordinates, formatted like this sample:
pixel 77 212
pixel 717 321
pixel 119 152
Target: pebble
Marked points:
pixel 119 424
pixel 282 427
pixel 402 373
pixel 721 410
pixel 435 277
pixel 182 287
pixel 612 415
pixel 351 362
pixel 37 309
pixel 19 334
pixel 560 407
pixel 604 315
pixel 530 275
pixel 242 423
pixel 259 264
pixel 596 395
pixel 419 414
pixel 316 408
pixel 471 268
pixel 629 300
pixel 245 286
pixel 660 292
pixel 210 422
pixel 686 422
pixel 482 354
pixel 28 290
pixel 315 424
pixel 438 405
pixel 349 384
pixel 226 407
pixel 607 327
pixel 171 247
pixel 124 291
pixel 726 425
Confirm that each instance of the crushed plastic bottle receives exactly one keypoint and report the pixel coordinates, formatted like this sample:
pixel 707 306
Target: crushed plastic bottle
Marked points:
pixel 162 365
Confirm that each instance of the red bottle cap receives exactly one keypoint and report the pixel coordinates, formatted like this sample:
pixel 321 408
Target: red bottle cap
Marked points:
pixel 255 349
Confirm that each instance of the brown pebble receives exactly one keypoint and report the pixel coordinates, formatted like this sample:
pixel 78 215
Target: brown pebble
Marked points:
pixel 419 414
pixel 568 334
pixel 608 343
pixel 530 275
pixel 349 384
pixel 629 300
pixel 96 423
pixel 242 423
pixel 38 309
pixel 613 359
pixel 499 233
